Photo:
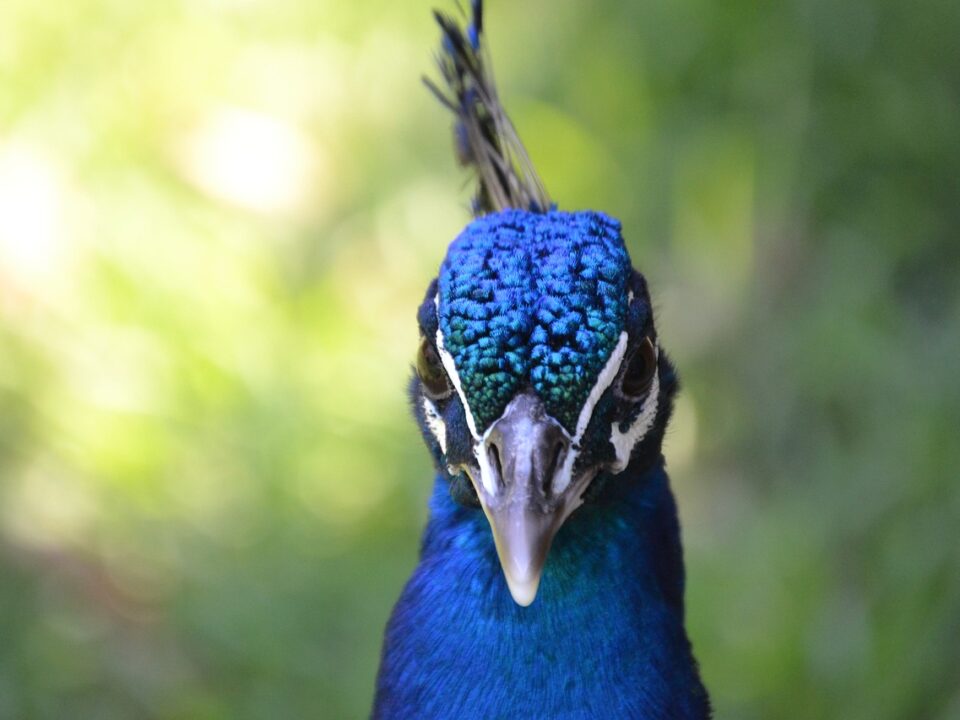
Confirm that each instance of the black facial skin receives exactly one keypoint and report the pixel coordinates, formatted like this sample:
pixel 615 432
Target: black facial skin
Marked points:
pixel 615 405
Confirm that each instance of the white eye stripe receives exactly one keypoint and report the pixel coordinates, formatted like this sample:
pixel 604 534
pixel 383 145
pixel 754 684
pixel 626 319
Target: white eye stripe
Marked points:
pixel 624 442
pixel 604 381
pixel 450 366
pixel 479 446
pixel 435 422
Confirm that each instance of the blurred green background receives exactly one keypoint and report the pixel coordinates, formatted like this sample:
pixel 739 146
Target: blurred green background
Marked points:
pixel 217 219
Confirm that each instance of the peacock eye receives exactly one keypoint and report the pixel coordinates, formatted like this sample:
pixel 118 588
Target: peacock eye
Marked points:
pixel 431 373
pixel 638 375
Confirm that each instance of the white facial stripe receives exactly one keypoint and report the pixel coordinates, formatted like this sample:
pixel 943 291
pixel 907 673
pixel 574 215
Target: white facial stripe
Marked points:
pixel 604 380
pixel 479 446
pixel 435 422
pixel 609 373
pixel 448 364
pixel 623 442
pixel 451 367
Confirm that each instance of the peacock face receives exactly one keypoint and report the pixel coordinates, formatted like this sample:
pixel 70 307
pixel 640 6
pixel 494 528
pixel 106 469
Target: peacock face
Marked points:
pixel 538 374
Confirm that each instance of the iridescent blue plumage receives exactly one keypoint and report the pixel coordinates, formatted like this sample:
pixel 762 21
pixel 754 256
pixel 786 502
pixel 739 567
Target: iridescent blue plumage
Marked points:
pixel 604 640
pixel 539 298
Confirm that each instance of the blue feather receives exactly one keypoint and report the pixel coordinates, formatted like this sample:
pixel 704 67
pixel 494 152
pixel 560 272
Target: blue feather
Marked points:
pixel 604 639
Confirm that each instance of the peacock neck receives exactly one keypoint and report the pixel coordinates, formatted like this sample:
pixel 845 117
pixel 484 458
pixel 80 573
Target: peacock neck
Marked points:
pixel 604 637
pixel 624 546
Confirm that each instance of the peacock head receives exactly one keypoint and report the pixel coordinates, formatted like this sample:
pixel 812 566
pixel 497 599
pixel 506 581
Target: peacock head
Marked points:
pixel 539 377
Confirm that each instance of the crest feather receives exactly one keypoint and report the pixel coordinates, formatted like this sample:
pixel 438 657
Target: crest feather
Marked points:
pixel 484 136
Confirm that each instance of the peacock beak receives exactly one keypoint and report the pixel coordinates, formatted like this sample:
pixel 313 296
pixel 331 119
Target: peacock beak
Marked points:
pixel 525 488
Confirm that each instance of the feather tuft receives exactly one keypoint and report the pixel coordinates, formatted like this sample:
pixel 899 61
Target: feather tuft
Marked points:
pixel 484 137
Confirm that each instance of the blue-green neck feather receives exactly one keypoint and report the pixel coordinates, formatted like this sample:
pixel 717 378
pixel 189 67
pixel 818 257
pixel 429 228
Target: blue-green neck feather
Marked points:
pixel 604 638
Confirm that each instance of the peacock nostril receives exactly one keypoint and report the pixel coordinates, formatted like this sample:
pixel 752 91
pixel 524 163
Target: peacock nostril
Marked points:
pixel 557 456
pixel 553 452
pixel 496 464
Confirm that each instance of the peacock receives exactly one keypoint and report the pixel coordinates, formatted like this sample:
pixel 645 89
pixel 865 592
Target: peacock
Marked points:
pixel 550 582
